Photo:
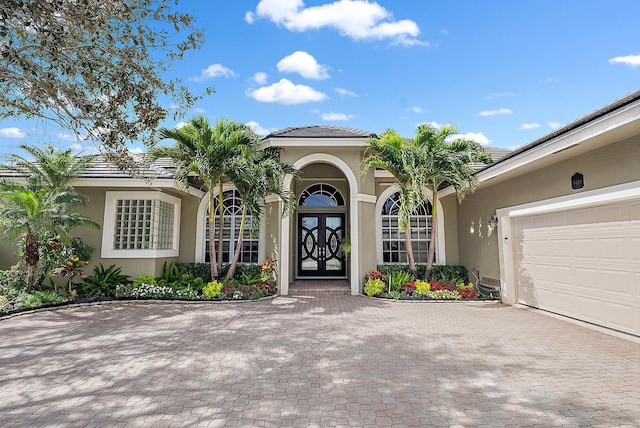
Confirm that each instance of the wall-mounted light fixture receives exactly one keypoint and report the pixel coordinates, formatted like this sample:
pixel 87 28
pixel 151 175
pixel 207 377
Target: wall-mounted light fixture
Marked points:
pixel 493 221
pixel 577 181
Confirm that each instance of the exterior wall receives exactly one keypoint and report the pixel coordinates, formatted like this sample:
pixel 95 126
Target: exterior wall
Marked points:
pixel 188 227
pixel 94 209
pixel 450 212
pixel 478 243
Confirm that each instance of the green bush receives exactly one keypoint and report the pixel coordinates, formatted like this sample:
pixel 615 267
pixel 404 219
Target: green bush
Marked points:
pixel 40 298
pixel 102 283
pixel 197 270
pixel 212 290
pixel 144 279
pixel 373 287
pixel 398 279
pixel 440 273
pixel 449 274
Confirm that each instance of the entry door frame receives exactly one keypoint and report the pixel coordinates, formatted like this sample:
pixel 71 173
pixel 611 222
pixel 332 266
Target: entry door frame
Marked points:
pixel 321 215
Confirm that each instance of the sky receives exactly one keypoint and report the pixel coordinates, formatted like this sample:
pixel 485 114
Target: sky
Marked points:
pixel 504 72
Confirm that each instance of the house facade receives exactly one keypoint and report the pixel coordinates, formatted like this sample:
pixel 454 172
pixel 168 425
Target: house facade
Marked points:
pixel 556 223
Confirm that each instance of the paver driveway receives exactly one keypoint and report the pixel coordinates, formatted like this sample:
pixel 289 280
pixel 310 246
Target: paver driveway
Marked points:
pixel 348 361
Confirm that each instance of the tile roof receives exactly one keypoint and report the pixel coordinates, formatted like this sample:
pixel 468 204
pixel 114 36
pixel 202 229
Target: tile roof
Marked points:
pixel 609 108
pixel 321 131
pixel 100 167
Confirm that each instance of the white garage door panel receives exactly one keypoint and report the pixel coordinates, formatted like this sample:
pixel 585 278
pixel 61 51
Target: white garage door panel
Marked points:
pixel 584 263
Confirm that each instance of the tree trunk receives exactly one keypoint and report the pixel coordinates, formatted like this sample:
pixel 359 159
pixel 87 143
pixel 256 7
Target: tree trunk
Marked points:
pixel 434 233
pixel 31 258
pixel 220 224
pixel 236 254
pixel 409 249
pixel 212 240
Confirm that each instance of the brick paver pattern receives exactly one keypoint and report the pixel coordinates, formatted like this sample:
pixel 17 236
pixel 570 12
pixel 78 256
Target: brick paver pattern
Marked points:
pixel 329 361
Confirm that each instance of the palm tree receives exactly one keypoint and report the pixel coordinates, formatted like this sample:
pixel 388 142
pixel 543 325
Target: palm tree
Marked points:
pixel 207 151
pixel 442 159
pixel 49 167
pixel 399 156
pixel 255 177
pixel 30 214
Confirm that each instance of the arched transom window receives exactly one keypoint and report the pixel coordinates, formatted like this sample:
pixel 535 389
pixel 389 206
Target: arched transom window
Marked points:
pixel 232 204
pixel 321 195
pixel 393 242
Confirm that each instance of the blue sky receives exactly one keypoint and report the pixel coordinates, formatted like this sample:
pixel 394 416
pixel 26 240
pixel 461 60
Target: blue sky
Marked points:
pixel 505 72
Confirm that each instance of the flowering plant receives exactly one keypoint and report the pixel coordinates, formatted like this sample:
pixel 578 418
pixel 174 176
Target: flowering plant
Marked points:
pixel 409 287
pixel 376 274
pixel 269 268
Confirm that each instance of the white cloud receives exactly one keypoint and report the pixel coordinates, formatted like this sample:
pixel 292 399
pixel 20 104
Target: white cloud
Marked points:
pixel 260 78
pixel 304 64
pixel 495 112
pixel 357 19
pixel 444 31
pixel 12 133
pixel 554 125
pixel 214 70
pixel 285 92
pixel 199 110
pixel 259 129
pixel 478 137
pixel 551 80
pixel 415 109
pixel 180 125
pixel 529 126
pixel 501 95
pixel 345 92
pixel 136 150
pixel 632 60
pixel 336 116
pixel 69 137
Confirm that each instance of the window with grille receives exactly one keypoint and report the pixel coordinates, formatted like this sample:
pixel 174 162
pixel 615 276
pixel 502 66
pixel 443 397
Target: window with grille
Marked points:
pixel 393 240
pixel 232 217
pixel 140 224
pixel 321 195
pixel 143 224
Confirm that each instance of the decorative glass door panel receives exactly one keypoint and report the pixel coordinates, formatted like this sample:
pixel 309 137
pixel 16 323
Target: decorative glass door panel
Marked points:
pixel 320 239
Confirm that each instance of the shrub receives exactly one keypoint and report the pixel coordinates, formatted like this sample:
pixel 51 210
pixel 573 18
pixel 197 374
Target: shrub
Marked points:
pixel 12 279
pixel 197 270
pixel 376 274
pixel 467 291
pixel 373 287
pixel 440 273
pixel 40 298
pixel 144 279
pixel 269 288
pixel 227 291
pixel 439 286
pixel 253 278
pixel 212 290
pixel 422 287
pixel 449 273
pixel 102 283
pixel 397 280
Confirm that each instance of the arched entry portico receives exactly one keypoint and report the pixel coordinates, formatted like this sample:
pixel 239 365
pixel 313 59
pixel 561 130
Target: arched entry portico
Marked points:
pixel 289 223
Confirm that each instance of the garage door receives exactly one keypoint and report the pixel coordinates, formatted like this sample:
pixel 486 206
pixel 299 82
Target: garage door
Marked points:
pixel 583 263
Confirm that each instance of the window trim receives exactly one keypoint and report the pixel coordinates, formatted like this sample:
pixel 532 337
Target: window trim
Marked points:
pixel 201 218
pixel 440 240
pixel 108 225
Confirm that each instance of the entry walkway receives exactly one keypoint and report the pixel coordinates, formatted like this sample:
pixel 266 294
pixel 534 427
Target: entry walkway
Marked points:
pixel 330 361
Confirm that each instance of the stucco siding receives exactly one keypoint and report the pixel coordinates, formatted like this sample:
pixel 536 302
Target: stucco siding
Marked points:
pixel 188 227
pixel 478 243
pixel 450 211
